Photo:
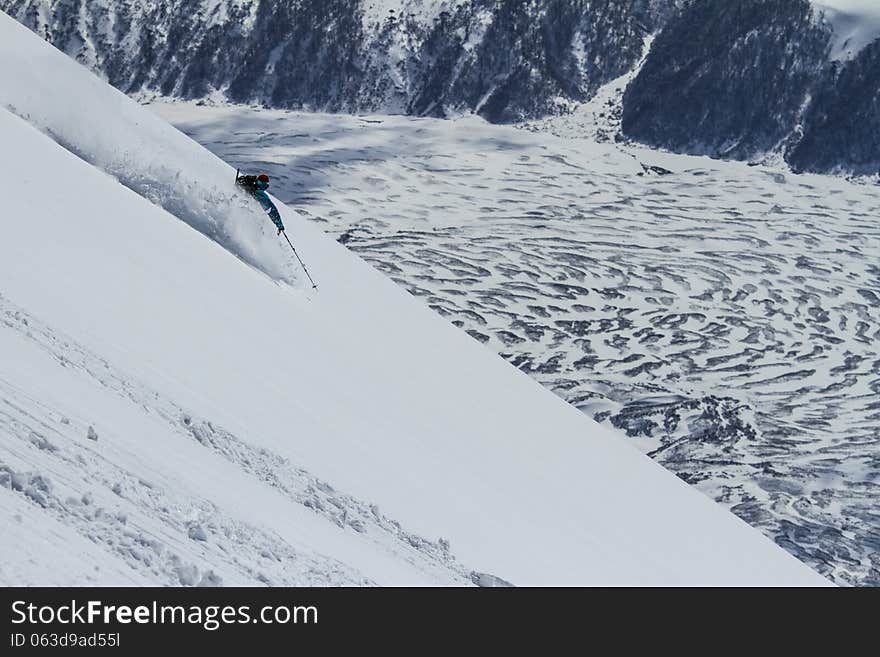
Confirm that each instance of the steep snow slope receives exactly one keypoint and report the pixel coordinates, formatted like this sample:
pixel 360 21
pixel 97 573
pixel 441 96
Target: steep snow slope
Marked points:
pixel 725 317
pixel 107 444
pixel 223 401
pixel 856 23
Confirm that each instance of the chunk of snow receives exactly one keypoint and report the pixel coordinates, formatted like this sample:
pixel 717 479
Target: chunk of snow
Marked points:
pixel 198 533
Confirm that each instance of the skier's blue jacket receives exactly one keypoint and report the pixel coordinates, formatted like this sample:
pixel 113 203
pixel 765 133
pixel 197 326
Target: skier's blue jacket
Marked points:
pixel 257 189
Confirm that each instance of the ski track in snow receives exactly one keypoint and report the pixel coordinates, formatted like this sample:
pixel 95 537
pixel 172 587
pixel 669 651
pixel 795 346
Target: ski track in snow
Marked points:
pixel 148 532
pixel 725 317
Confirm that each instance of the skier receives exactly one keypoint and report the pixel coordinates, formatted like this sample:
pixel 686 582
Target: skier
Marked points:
pixel 257 186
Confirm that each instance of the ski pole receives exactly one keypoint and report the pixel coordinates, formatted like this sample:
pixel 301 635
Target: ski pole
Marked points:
pixel 301 263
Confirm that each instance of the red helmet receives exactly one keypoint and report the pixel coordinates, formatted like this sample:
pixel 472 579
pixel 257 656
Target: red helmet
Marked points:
pixel 263 178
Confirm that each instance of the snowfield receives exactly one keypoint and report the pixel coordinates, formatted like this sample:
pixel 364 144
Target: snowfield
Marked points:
pixel 176 408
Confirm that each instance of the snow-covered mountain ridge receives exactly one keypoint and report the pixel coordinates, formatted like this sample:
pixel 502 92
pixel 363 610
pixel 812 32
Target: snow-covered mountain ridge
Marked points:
pixel 752 79
pixel 506 60
pixel 171 415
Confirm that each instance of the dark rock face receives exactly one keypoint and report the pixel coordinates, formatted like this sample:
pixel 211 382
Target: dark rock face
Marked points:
pixel 842 125
pixel 743 79
pixel 298 54
pixel 727 79
pixel 531 55
pixel 505 59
